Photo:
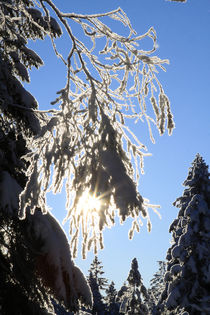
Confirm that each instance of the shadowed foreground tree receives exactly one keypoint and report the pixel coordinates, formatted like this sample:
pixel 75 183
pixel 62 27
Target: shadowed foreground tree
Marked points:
pixel 187 281
pixel 35 261
pixel 83 141
pixel 21 291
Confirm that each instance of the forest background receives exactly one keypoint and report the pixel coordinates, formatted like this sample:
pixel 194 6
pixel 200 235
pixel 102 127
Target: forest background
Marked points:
pixel 183 38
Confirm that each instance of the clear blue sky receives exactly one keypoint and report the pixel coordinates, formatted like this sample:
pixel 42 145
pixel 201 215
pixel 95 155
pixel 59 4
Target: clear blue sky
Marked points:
pixel 184 38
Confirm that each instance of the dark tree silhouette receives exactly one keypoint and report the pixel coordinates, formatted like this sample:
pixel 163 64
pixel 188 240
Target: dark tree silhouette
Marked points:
pixel 112 306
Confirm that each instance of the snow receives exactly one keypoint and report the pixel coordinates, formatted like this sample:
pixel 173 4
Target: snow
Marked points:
pixel 123 305
pixel 191 264
pixel 9 192
pixel 173 297
pixel 22 71
pixel 175 269
pixel 67 281
pixel 55 26
pixel 125 189
pixel 176 251
pixel 35 13
pixel 81 286
pixel 33 58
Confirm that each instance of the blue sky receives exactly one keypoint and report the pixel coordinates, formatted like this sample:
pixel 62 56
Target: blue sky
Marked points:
pixel 183 32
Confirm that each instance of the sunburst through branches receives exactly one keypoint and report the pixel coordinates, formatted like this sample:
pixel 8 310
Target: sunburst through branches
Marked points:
pixel 89 202
pixel 86 141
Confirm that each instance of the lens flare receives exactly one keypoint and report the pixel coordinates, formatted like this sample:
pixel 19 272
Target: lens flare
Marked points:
pixel 89 202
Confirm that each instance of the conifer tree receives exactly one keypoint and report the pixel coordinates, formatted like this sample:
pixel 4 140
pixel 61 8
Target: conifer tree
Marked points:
pixel 97 284
pixel 98 305
pixel 122 295
pixel 96 268
pixel 157 285
pixel 134 299
pixel 21 291
pixel 19 281
pixel 112 307
pixel 188 275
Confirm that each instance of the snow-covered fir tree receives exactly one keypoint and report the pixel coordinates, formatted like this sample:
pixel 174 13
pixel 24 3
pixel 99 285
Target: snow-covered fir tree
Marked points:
pixel 156 285
pixel 112 306
pixel 188 270
pixel 34 253
pixel 121 299
pixel 98 284
pixel 98 304
pixel 21 291
pixel 96 268
pixel 134 299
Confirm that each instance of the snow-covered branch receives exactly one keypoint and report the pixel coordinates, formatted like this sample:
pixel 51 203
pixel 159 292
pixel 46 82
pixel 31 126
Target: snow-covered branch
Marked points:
pixel 86 142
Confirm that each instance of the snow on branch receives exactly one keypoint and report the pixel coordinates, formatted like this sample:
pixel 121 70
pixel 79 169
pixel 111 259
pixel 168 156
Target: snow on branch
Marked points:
pixel 87 142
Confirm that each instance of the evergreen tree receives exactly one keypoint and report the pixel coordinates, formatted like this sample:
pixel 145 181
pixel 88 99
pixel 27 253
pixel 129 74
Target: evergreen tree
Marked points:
pixel 112 307
pixel 188 275
pixel 96 268
pixel 98 305
pixel 122 298
pixel 157 285
pixel 19 281
pixel 21 291
pixel 97 284
pixel 60 310
pixel 134 299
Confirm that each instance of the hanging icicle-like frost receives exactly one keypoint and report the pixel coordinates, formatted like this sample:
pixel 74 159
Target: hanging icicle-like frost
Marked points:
pixel 86 141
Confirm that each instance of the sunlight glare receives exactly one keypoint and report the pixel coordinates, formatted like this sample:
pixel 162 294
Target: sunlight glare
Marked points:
pixel 89 202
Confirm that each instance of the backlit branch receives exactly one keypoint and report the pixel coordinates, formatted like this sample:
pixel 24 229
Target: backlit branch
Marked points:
pixel 111 78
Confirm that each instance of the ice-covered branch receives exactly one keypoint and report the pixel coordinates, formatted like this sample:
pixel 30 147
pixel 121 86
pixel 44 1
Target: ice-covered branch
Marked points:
pixel 111 78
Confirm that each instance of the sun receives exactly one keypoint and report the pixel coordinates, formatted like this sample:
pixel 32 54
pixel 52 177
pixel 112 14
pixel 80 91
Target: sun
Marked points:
pixel 89 202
